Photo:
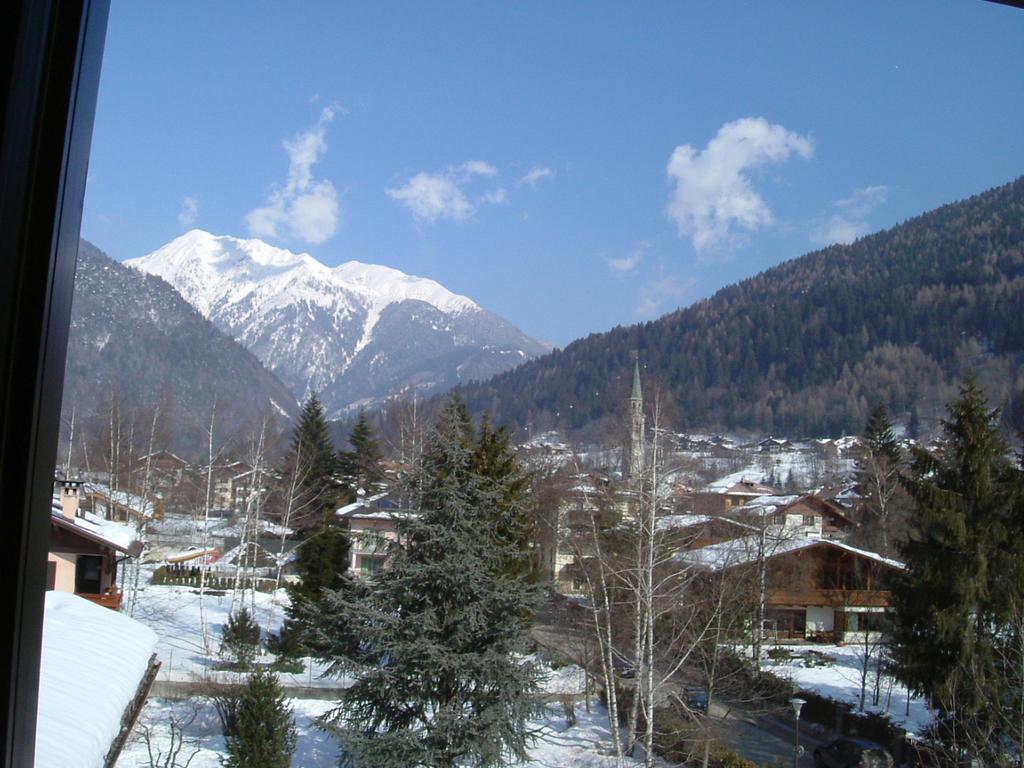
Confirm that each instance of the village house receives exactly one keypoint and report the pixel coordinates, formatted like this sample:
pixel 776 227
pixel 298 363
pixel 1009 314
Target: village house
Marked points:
pixel 592 498
pixel 85 549
pixel 717 498
pixel 795 516
pixel 118 506
pixel 773 445
pixel 373 524
pixel 815 589
pixel 166 469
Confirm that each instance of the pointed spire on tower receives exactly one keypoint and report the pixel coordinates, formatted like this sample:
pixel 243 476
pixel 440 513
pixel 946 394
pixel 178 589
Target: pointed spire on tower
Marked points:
pixel 637 393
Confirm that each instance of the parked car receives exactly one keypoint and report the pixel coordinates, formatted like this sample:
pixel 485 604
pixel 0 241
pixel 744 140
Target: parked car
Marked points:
pixel 697 698
pixel 852 753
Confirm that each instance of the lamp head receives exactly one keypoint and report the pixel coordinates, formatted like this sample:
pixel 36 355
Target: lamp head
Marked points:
pixel 797 704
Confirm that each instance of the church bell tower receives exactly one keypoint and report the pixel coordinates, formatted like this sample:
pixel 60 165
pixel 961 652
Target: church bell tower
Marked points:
pixel 636 432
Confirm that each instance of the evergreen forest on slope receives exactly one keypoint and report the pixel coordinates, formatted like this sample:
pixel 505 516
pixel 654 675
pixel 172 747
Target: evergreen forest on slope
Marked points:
pixel 807 347
pixel 135 342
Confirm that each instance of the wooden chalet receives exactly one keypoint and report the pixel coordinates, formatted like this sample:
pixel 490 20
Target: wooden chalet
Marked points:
pixel 816 589
pixel 796 515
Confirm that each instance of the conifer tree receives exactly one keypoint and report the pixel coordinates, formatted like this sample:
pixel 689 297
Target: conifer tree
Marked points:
pixel 440 675
pixel 363 463
pixel 962 594
pixel 323 552
pixel 260 732
pixel 241 638
pixel 312 447
pixel 878 471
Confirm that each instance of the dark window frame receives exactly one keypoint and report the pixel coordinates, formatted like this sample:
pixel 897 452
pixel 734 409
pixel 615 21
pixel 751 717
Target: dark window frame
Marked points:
pixel 50 57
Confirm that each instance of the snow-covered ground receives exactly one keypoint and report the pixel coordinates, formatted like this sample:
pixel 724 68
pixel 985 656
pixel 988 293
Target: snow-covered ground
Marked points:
pixel 173 612
pixel 585 745
pixel 839 679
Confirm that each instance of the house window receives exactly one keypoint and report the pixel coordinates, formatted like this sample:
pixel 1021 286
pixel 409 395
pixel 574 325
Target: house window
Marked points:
pixel 88 571
pixel 865 621
pixel 809 521
pixel 369 567
pixel 785 623
pixel 51 575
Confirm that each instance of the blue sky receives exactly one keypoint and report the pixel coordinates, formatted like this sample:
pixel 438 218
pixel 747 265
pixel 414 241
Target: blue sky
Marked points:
pixel 571 166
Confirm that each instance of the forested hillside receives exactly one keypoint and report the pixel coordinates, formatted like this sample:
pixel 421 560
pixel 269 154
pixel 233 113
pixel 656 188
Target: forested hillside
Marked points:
pixel 805 347
pixel 135 341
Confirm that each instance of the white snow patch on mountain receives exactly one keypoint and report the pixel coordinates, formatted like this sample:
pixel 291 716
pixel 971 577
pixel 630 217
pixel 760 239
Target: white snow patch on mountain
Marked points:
pixel 309 323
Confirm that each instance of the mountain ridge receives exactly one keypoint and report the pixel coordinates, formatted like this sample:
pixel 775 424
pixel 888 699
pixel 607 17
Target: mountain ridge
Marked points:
pixel 135 340
pixel 334 330
pixel 900 316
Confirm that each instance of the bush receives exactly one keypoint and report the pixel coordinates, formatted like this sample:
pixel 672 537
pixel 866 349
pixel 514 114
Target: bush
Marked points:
pixel 813 659
pixel 722 757
pixel 678 737
pixel 241 638
pixel 262 734
pixel 290 665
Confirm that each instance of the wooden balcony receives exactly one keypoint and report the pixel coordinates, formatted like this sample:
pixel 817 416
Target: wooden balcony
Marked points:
pixel 831 598
pixel 110 599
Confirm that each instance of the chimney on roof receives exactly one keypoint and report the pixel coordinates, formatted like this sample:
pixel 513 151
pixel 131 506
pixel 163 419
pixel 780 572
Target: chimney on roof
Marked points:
pixel 70 497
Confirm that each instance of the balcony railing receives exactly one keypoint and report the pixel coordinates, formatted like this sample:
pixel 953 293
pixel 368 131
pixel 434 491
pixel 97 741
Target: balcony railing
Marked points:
pixel 370 545
pixel 835 598
pixel 111 599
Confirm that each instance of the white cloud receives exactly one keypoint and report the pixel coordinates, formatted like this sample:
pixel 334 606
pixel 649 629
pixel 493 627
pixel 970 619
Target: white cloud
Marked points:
pixel 434 196
pixel 628 263
pixel 535 175
pixel 479 168
pixel 668 290
pixel 189 211
pixel 851 220
pixel 713 195
pixel 495 197
pixel 863 201
pixel 304 208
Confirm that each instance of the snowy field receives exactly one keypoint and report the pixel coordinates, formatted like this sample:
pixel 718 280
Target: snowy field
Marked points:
pixel 173 612
pixel 839 679
pixel 587 744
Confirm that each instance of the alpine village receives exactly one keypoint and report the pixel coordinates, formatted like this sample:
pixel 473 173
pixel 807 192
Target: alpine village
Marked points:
pixel 782 525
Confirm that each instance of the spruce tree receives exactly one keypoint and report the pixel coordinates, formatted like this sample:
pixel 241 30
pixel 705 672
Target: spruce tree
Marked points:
pixel 363 463
pixel 311 441
pixel 322 554
pixel 440 672
pixel 241 638
pixel 261 732
pixel 878 471
pixel 961 597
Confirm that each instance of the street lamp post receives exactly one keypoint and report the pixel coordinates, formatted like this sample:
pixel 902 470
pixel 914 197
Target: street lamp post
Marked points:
pixel 797 704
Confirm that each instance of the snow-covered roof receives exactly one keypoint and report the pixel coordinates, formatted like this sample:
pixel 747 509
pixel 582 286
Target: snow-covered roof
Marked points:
pixel 115 535
pixel 191 553
pixel 762 506
pixel 729 554
pixel 136 503
pixel 740 484
pixel 377 507
pixel 93 661
pixel 266 528
pixel 673 522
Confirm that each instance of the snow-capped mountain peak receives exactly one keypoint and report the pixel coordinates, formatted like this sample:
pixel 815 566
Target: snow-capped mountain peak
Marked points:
pixel 311 324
